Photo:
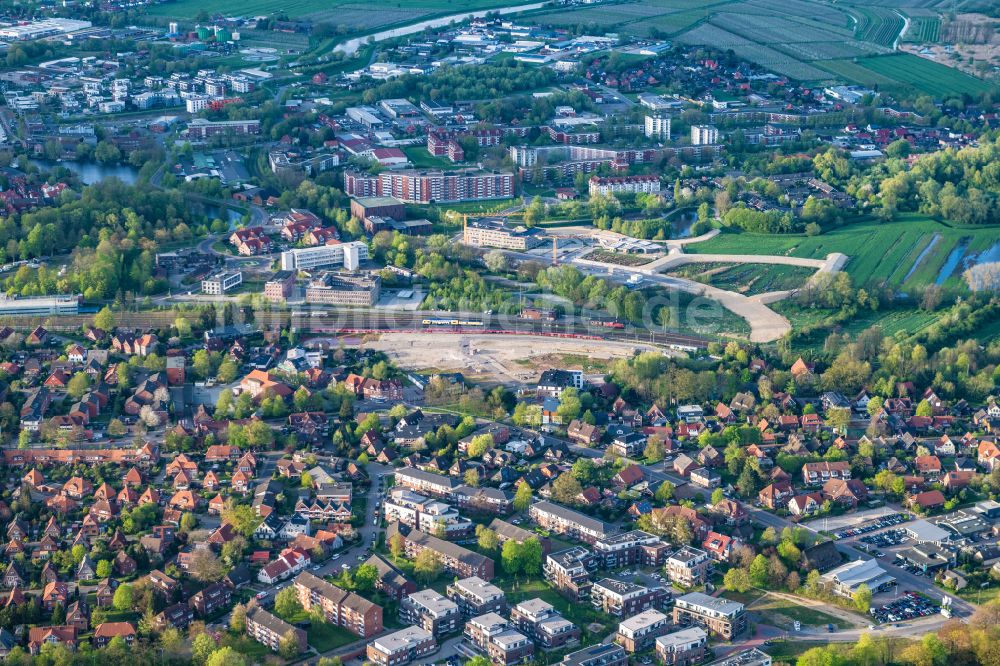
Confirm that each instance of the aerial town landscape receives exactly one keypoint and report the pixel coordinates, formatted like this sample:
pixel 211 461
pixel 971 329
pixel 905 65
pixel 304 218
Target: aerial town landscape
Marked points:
pixel 499 332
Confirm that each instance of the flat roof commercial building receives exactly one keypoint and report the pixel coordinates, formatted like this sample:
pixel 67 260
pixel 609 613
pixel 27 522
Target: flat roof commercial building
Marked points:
pixel 220 283
pixel 347 255
pixel 847 578
pixel 494 232
pixel 340 289
pixel 40 305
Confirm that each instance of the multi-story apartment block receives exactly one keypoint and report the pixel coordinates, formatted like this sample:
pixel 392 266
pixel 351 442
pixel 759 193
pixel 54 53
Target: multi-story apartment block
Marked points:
pixel 647 184
pixel 457 560
pixel 544 624
pixel 682 648
pixel 704 135
pixel 569 572
pixel 484 500
pixel 574 524
pixel 401 647
pixel 622 599
pixel 269 629
pixel 603 654
pixel 638 632
pixel 628 548
pixel 475 596
pixel 426 514
pixel 492 635
pixel 427 483
pixel 341 608
pixel 494 232
pixel 424 187
pixel 210 599
pixel 199 128
pixel 817 473
pixel 720 617
pixel 657 126
pixel 688 566
pixel 432 611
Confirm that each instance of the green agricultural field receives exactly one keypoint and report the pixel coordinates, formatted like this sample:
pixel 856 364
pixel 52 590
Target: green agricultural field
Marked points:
pixel 877 24
pixel 891 253
pixel 923 30
pixel 925 75
pixel 333 11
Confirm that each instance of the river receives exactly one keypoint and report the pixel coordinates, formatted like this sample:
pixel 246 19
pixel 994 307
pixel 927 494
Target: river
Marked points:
pixel 92 172
pixel 351 46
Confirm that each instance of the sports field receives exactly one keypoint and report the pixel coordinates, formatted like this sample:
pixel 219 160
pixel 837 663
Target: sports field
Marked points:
pixel 912 252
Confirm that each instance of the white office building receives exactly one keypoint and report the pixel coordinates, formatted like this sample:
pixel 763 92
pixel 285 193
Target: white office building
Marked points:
pixel 349 255
pixel 220 283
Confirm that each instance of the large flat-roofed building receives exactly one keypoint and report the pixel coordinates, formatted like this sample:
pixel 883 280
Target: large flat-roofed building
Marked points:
pixel 847 578
pixel 366 207
pixel 648 184
pixel 494 232
pixel 605 654
pixel 638 632
pixel 562 520
pixel 476 596
pixel 324 256
pixel 424 187
pixel 401 647
pixel 340 289
pixel 682 648
pixel 40 305
pixel 280 286
pixel 202 129
pixel 220 283
pixel 39 29
pixel 432 611
pixel 719 616
pixel 339 607
pixel 623 599
pixel 542 622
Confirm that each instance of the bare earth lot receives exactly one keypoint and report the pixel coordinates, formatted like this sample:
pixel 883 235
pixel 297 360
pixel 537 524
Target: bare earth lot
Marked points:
pixel 492 357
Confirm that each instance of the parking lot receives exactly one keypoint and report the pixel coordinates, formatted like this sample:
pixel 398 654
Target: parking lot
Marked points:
pixel 873 525
pixel 885 539
pixel 908 607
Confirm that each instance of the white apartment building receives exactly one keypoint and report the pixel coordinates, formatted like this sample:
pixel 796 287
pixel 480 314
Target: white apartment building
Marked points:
pixel 704 135
pixel 658 127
